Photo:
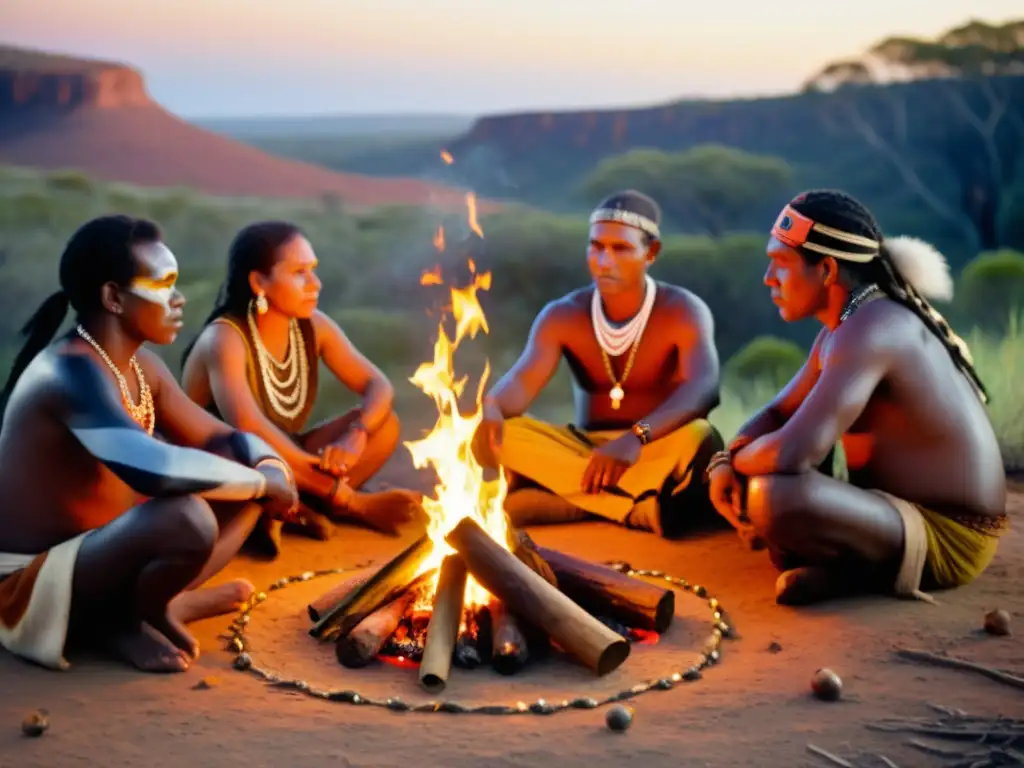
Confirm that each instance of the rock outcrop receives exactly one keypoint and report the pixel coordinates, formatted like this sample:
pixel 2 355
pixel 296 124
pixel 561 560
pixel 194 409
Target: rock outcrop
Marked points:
pixel 96 117
pixel 34 81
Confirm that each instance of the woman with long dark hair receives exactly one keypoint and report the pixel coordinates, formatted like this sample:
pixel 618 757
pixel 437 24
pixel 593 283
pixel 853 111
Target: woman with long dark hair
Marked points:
pixel 256 362
pixel 82 559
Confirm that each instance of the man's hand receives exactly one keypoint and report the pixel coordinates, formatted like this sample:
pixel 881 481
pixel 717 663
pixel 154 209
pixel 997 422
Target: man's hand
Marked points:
pixel 609 462
pixel 338 458
pixel 282 497
pixel 489 434
pixel 726 495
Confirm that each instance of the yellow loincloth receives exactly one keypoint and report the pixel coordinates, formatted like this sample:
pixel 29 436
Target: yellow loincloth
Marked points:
pixel 556 458
pixel 940 551
pixel 35 602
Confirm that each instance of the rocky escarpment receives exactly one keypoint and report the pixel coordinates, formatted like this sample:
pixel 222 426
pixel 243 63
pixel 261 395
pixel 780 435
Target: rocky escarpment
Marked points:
pixel 37 81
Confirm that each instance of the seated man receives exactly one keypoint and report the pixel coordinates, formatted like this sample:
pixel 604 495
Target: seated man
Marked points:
pixel 876 467
pixel 105 530
pixel 255 365
pixel 645 373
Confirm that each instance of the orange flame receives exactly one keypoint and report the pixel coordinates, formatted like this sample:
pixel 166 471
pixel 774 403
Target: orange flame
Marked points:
pixel 431 276
pixel 461 490
pixel 473 223
pixel 447 157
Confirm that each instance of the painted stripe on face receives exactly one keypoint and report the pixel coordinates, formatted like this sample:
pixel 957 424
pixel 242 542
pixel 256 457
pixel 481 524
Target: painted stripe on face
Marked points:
pixel 156 290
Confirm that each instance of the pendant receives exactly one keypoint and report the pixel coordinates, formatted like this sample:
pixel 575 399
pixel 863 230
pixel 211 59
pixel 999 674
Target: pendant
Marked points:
pixel 616 395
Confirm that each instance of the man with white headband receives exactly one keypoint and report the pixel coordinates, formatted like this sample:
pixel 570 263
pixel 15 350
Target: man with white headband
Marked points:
pixel 645 373
pixel 876 468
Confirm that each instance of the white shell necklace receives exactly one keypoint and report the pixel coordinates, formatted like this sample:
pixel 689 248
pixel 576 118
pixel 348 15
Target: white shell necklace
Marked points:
pixel 617 341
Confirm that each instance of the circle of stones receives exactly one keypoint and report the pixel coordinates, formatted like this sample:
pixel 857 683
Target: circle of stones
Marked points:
pixel 709 656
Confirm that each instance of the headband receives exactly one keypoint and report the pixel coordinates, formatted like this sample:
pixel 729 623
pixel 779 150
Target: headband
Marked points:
pixel 794 229
pixel 629 218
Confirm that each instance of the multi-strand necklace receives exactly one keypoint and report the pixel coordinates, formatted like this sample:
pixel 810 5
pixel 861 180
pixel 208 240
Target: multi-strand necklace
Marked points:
pixel 615 341
pixel 144 414
pixel 286 382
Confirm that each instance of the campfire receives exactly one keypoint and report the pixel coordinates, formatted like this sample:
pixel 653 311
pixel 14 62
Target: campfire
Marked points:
pixel 472 590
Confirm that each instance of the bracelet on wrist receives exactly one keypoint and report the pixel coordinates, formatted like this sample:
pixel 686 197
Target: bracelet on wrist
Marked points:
pixel 717 459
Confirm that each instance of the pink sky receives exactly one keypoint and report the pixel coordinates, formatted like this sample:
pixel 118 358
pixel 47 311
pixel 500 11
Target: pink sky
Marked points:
pixel 248 57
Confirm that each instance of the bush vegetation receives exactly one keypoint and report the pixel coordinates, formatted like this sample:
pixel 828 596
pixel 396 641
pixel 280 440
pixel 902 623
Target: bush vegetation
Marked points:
pixel 371 262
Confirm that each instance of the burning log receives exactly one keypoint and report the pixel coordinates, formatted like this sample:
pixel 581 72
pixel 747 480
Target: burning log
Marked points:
pixel 360 646
pixel 474 643
pixel 605 592
pixel 443 630
pixel 527 594
pixel 510 652
pixel 317 608
pixel 384 585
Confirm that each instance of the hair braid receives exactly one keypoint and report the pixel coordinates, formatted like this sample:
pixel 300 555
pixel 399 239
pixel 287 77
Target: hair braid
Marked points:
pixel 842 211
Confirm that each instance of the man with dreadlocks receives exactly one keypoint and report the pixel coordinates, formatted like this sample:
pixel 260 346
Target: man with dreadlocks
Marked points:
pixel 876 468
pixel 107 531
pixel 645 373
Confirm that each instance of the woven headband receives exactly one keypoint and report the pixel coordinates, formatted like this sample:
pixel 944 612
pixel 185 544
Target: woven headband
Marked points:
pixel 629 218
pixel 794 229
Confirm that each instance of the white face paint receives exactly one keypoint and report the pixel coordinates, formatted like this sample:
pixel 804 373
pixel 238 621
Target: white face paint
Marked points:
pixel 157 288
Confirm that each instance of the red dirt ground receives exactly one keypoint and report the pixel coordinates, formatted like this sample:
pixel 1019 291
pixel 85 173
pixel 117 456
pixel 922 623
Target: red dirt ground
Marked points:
pixel 150 147
pixel 754 709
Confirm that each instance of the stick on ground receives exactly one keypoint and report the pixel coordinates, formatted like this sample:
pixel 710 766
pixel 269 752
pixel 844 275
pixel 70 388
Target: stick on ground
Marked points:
pixel 834 759
pixel 925 657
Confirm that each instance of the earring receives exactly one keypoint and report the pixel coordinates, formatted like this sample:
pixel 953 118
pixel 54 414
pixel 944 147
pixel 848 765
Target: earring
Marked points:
pixel 261 304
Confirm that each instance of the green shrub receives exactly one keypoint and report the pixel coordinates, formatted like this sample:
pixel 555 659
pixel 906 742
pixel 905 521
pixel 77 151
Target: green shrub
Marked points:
pixel 766 359
pixel 991 289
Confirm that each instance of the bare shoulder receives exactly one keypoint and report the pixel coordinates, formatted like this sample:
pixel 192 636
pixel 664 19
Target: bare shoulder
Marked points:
pixel 323 323
pixel 220 338
pixel 880 327
pixel 563 313
pixel 681 305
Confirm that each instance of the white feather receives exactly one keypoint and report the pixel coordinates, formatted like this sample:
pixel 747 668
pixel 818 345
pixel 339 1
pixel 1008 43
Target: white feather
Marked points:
pixel 922 266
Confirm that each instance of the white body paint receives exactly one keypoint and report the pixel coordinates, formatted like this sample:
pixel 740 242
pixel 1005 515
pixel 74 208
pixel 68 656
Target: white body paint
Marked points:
pixel 159 288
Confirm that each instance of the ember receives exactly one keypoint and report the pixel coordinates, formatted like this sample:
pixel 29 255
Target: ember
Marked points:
pixel 472 590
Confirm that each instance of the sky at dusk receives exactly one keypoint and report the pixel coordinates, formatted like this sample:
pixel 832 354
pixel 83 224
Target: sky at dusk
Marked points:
pixel 216 58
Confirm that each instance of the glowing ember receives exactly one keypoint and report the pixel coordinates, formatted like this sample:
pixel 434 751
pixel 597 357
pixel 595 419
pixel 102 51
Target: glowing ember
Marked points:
pixel 447 157
pixel 461 491
pixel 439 239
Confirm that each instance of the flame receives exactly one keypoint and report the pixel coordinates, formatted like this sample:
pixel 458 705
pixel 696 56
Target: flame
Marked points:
pixel 447 157
pixel 461 491
pixel 431 276
pixel 439 239
pixel 473 223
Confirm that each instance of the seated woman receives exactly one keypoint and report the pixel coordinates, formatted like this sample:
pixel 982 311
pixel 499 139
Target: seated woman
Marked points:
pixel 122 496
pixel 876 468
pixel 255 365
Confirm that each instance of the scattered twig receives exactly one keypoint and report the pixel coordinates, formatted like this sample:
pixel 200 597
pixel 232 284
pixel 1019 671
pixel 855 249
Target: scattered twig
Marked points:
pixel 933 750
pixel 946 661
pixel 888 763
pixel 834 759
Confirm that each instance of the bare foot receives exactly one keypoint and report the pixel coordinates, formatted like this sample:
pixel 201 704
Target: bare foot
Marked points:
pixel 265 539
pixel 205 602
pixel 810 584
pixel 387 511
pixel 146 649
pixel 172 628
pixel 313 524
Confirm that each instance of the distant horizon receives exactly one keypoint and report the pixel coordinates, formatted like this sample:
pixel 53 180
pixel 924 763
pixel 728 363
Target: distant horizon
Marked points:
pixel 254 59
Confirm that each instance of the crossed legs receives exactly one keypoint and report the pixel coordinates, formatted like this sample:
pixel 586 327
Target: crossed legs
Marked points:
pixel 827 536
